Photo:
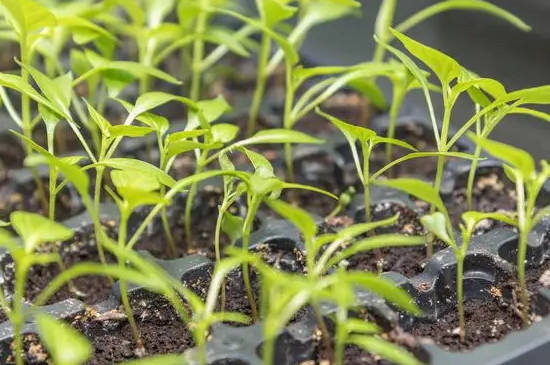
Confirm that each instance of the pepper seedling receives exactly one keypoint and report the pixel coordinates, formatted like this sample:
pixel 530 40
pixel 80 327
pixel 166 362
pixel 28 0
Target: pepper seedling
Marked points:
pixel 34 231
pixel 439 224
pixel 521 170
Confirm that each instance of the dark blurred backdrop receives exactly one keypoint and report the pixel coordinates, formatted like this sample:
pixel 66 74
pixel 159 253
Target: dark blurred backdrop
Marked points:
pixel 484 44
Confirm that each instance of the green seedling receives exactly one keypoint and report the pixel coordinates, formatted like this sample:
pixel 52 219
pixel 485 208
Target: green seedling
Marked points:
pixel 326 251
pixel 385 18
pixel 439 224
pixel 65 345
pixel 521 170
pixel 361 333
pixel 262 186
pixel 34 231
pixel 135 188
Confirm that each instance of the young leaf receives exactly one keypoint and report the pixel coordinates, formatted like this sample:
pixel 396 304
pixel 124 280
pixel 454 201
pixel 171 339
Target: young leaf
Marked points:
pixel 435 224
pixel 445 68
pixel 178 147
pixel 131 131
pixel 35 229
pixel 320 11
pixel 224 132
pixel 351 132
pixel 471 219
pixel 386 350
pixel 65 345
pixel 277 136
pixel 232 226
pixel 211 110
pixel 514 156
pixel 418 189
pixel 141 166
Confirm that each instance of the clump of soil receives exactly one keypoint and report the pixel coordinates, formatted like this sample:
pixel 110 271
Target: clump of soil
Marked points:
pixel 161 328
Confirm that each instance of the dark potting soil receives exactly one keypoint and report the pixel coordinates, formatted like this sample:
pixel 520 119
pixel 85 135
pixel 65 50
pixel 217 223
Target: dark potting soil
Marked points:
pixel 408 261
pixel 487 321
pixel 27 198
pixel 161 329
pixel 90 289
pixel 492 192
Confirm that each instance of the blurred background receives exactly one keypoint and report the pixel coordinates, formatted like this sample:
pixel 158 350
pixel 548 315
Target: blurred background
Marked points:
pixel 478 41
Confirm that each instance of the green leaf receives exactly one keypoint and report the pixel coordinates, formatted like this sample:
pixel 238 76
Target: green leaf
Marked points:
pixel 151 100
pixel 351 132
pixel 17 83
pixel 157 122
pixel 471 218
pixel 232 226
pixel 385 288
pixel 514 156
pixel 137 70
pixel 355 325
pixel 131 131
pixel 57 91
pixel 141 166
pixel 102 123
pixel 211 110
pixel 417 188
pixel 262 166
pixel 445 68
pixel 136 180
pixel 435 224
pixel 224 132
pixel 4 224
pixel 83 30
pixel 35 229
pixel 183 135
pixel 275 11
pixel 358 229
pixel 393 141
pixel 386 350
pixel 321 11
pixel 65 345
pixel 299 217
pixel 277 136
pixel 178 147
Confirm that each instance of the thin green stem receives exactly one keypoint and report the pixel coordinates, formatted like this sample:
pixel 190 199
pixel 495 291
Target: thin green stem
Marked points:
pixel 326 338
pixel 247 228
pixel 260 84
pixel 471 178
pixel 52 176
pixel 189 203
pixel 123 283
pixel 198 52
pixel 460 293
pixel 523 225
pixel 17 313
pixel 398 94
pixel 164 213
pixel 287 123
